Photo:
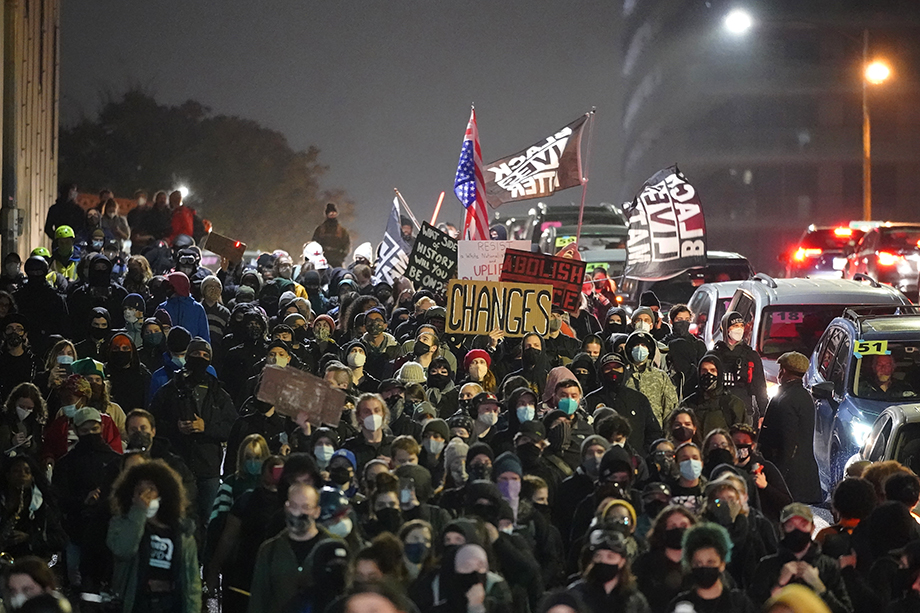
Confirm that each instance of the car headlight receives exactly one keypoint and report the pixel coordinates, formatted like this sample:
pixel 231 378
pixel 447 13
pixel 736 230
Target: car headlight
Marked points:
pixel 860 430
pixel 772 389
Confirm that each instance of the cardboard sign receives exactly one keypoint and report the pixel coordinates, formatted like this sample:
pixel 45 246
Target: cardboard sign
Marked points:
pixel 482 260
pixel 564 274
pixel 292 391
pixel 433 261
pixel 231 249
pixel 478 307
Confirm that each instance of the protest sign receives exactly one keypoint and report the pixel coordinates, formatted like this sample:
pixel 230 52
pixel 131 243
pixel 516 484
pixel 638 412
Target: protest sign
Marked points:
pixel 482 260
pixel 564 274
pixel 225 247
pixel 478 307
pixel 292 391
pixel 433 261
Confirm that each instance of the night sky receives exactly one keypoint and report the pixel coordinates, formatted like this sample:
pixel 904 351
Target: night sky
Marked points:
pixel 382 88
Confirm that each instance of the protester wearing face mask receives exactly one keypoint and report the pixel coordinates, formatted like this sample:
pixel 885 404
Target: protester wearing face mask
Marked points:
pixel 415 491
pixel 726 506
pixel 196 415
pixel 682 426
pixel 477 466
pixel 150 522
pixel 615 429
pixel 535 365
pixel 455 474
pixel 281 568
pixel 22 420
pixel 177 343
pixel 715 406
pixel 687 489
pixel 772 489
pixel 153 345
pixel 434 440
pixel 799 560
pixel 94 372
pixel 477 365
pixel 707 549
pixel 567 398
pixel 440 388
pixel 581 484
pixel 583 367
pixel 373 416
pixel 99 330
pixel 522 406
pixel 242 361
pixel 684 350
pixel 60 435
pixel 607 582
pixel 418 553
pixel 743 372
pixel 17 362
pixel 645 378
pixel 11 278
pixel 560 346
pixel 485 411
pixel 659 572
pixel 355 357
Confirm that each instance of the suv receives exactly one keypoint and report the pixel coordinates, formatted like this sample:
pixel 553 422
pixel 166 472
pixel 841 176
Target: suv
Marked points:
pixel 891 254
pixel 720 266
pixel 844 380
pixel 604 231
pixel 822 252
pixel 791 314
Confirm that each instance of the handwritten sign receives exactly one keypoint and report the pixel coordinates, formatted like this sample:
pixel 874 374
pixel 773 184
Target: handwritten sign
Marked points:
pixel 478 307
pixel 292 391
pixel 433 261
pixel 482 260
pixel 564 274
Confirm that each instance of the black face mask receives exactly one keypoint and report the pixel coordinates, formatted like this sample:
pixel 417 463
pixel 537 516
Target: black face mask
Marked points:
pixel 389 520
pixel 560 436
pixel 438 381
pixel 718 456
pixel 340 475
pixel 529 454
pixel 119 359
pixel 681 328
pixel 487 512
pixel 480 472
pixel 13 340
pixel 708 381
pixel 298 524
pixel 530 356
pixel 197 365
pixel 98 333
pixel 93 441
pixel 705 576
pixel 611 380
pixel 601 573
pixel 653 508
pixel 796 541
pixel 140 440
pixel 262 406
pixel 682 434
pixel 420 348
pixel 721 514
pixel 465 581
pixel 674 538
pixel 254 333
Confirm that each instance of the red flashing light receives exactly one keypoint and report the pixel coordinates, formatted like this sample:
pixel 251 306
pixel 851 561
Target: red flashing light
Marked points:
pixel 801 253
pixel 237 244
pixel 888 259
pixel 842 231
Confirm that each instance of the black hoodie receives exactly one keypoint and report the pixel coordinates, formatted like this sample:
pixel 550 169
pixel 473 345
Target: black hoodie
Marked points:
pixel 717 407
pixel 743 373
pixel 612 329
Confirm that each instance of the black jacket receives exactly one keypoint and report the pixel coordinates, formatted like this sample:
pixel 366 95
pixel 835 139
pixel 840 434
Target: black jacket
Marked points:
pixel 767 574
pixel 786 439
pixel 743 376
pixel 632 405
pixel 715 408
pixel 182 399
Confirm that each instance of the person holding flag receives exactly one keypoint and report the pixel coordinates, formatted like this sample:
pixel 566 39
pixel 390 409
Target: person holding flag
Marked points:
pixel 469 185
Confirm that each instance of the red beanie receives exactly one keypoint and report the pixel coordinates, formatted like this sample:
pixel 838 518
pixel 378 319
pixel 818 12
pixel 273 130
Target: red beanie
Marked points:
pixel 472 354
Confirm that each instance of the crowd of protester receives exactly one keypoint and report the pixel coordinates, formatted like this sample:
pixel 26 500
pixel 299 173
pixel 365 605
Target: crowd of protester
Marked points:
pixel 612 464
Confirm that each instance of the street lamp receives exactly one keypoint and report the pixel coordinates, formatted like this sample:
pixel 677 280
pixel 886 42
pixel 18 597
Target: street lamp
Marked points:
pixel 738 22
pixel 875 73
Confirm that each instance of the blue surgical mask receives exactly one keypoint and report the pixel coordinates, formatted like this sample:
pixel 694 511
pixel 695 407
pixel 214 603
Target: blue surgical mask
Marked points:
pixel 323 453
pixel 179 361
pixel 567 405
pixel 252 466
pixel 69 410
pixel 526 413
pixel 639 354
pixel 691 469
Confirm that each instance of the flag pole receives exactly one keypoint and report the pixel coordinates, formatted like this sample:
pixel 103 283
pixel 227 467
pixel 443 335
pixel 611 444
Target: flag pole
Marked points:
pixel 437 208
pixel 584 177
pixel 408 210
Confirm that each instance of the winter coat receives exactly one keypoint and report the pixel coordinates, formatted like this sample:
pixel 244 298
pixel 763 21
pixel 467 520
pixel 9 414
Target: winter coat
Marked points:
pixel 335 241
pixel 619 600
pixel 650 381
pixel 715 408
pixel 743 376
pixel 786 439
pixel 125 540
pixel 189 314
pixel 768 571
pixel 635 407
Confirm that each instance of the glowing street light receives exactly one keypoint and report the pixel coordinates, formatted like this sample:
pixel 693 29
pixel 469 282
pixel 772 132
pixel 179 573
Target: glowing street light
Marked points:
pixel 183 190
pixel 877 72
pixel 738 22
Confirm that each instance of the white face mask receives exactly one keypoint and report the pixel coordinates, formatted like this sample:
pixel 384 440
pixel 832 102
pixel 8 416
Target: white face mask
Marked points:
pixel 130 316
pixel 152 508
pixel 488 419
pixel 341 528
pixel 356 359
pixel 323 453
pixel 23 413
pixel 643 326
pixel 373 422
pixel 18 600
pixel 736 334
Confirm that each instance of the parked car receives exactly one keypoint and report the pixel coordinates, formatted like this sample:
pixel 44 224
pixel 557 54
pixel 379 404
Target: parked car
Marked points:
pixel 822 252
pixel 791 314
pixel 720 266
pixel 708 304
pixel 891 254
pixel 895 435
pixel 857 351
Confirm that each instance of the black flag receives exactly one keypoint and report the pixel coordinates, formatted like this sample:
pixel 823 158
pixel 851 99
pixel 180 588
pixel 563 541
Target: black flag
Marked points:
pixel 540 170
pixel 667 232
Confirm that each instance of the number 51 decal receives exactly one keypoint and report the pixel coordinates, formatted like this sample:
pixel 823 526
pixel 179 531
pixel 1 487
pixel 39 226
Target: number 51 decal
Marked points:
pixel 871 348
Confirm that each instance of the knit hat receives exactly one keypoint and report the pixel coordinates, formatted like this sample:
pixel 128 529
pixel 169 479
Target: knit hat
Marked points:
pixel 456 448
pixel 86 414
pixel 437 426
pixel 477 353
pixel 649 299
pixel 479 449
pixel 507 463
pixel 411 372
pixel 163 317
pixel 134 301
pixel 211 280
pixel 422 478
pixel 180 283
pixel 87 367
pixel 460 421
pixel 643 310
pixel 178 339
pixel 425 408
pixel 331 208
pixel 594 439
pixel 292 319
pixel 794 362
pixel 199 344
pixel 325 318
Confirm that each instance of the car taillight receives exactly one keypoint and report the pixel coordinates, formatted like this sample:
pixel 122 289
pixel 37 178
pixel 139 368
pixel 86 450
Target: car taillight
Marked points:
pixel 888 259
pixel 801 254
pixel 843 232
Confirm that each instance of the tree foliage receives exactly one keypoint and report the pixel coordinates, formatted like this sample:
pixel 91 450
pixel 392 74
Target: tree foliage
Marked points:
pixel 244 177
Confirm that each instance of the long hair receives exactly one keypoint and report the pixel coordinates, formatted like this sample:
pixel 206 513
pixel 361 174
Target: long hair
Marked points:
pixel 56 350
pixel 659 524
pixel 30 391
pixel 258 444
pixel 173 500
pixel 144 265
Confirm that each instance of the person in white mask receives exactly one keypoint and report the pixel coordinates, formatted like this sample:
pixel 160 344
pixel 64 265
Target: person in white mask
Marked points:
pixel 434 440
pixel 356 356
pixel 486 408
pixel 374 439
pixel 743 368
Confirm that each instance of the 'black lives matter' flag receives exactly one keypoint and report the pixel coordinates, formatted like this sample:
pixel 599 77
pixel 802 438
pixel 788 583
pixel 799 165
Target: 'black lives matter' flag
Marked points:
pixel 667 232
pixel 540 170
pixel 393 252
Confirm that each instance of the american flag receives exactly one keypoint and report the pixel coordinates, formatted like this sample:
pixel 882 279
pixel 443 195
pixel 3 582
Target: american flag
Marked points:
pixel 469 185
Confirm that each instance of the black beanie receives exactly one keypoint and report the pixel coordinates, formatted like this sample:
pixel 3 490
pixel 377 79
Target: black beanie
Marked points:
pixel 178 339
pixel 649 299
pixel 479 449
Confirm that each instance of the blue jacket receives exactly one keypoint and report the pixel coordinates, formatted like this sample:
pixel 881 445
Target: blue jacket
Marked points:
pixel 185 312
pixel 164 374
